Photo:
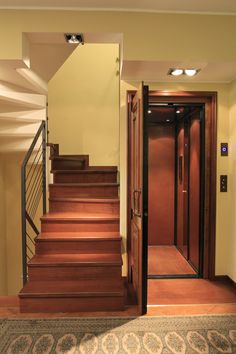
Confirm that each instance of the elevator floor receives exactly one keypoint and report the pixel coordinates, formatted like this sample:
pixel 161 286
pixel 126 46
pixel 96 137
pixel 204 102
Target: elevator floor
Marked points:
pixel 167 260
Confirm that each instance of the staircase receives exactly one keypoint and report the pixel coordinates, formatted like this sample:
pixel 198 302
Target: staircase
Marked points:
pixel 22 110
pixel 77 265
pixel 24 88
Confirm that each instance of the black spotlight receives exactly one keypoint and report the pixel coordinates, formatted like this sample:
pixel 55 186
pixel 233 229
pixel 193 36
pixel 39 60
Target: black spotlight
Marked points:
pixel 74 38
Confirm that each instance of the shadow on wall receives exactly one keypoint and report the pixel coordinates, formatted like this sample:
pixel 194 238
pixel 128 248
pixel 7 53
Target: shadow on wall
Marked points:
pixel 10 223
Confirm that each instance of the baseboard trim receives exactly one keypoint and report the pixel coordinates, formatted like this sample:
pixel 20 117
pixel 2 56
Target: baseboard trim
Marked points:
pixel 225 278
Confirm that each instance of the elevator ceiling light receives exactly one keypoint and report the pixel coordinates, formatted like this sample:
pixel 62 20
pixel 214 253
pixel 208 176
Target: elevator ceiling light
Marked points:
pixel 74 38
pixel 191 72
pixel 176 72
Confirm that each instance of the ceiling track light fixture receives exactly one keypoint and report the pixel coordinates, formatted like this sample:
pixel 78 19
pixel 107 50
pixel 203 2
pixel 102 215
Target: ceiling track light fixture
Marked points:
pixel 191 72
pixel 74 38
pixel 178 72
pixel 175 72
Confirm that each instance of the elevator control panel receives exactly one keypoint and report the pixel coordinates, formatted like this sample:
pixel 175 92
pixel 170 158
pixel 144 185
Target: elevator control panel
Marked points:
pixel 224 149
pixel 223 183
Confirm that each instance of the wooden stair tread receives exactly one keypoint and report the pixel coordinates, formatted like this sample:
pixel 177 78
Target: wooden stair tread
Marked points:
pixel 67 236
pixel 70 216
pixel 70 288
pixel 84 171
pixel 92 184
pixel 85 200
pixel 68 157
pixel 106 168
pixel 75 259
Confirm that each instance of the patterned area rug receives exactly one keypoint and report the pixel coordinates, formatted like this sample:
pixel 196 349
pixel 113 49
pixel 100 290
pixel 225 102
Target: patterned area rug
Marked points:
pixel 178 335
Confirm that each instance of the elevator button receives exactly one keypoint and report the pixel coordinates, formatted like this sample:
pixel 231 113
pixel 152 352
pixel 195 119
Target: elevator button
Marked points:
pixel 224 149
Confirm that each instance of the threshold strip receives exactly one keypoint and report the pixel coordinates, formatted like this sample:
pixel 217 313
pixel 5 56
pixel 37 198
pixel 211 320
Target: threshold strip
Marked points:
pixel 166 305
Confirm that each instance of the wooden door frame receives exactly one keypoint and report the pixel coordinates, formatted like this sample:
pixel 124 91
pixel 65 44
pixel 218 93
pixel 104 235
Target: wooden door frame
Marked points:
pixel 209 99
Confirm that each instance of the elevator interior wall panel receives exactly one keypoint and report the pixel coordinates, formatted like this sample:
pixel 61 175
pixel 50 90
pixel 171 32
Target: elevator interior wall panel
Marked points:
pixel 161 183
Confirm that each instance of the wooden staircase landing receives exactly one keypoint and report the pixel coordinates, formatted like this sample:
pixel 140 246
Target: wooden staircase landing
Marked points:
pixel 78 263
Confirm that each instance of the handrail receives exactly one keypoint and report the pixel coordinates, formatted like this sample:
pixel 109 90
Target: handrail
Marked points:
pixel 33 188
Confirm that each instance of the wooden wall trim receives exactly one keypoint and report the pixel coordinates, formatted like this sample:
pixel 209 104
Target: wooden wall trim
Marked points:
pixel 226 279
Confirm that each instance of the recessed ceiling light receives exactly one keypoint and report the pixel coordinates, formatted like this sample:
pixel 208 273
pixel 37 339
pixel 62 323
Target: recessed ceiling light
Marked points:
pixel 177 112
pixel 74 38
pixel 179 72
pixel 191 72
pixel 167 120
pixel 176 72
pixel 149 111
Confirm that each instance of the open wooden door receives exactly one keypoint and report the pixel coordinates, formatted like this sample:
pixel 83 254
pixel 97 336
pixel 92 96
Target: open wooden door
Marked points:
pixel 139 195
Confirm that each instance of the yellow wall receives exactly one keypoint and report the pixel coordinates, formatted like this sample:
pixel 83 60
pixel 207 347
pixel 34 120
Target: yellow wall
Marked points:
pixel 231 247
pixel 147 36
pixel 10 223
pixel 10 236
pixel 13 222
pixel 224 236
pixel 3 272
pixel 84 104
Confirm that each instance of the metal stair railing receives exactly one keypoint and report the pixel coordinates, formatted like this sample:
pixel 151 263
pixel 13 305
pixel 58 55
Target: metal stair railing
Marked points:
pixel 33 194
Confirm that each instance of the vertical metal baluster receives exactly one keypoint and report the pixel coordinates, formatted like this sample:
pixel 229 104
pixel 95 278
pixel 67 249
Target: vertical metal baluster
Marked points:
pixel 23 224
pixel 44 137
pixel 24 215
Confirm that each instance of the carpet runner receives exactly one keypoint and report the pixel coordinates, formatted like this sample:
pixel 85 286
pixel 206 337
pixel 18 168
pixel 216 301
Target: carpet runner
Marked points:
pixel 172 334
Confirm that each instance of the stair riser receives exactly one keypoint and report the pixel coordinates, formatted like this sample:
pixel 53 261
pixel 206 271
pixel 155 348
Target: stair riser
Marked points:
pixel 52 247
pixel 78 274
pixel 83 192
pixel 72 304
pixel 85 177
pixel 68 165
pixel 84 207
pixel 73 226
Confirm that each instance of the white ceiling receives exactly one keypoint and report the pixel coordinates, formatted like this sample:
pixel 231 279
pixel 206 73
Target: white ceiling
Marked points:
pixel 195 6
pixel 156 71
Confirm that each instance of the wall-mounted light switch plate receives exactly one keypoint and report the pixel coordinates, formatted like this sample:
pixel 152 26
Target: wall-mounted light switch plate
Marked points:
pixel 223 183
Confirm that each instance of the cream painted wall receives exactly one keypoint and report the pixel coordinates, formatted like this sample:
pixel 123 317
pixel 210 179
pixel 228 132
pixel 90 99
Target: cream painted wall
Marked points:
pixel 10 223
pixel 84 104
pixel 147 36
pixel 3 267
pixel 231 250
pixel 224 236
pixel 12 165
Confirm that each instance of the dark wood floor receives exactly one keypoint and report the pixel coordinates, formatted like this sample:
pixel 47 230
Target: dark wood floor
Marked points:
pixel 9 308
pixel 165 297
pixel 190 291
pixel 166 260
